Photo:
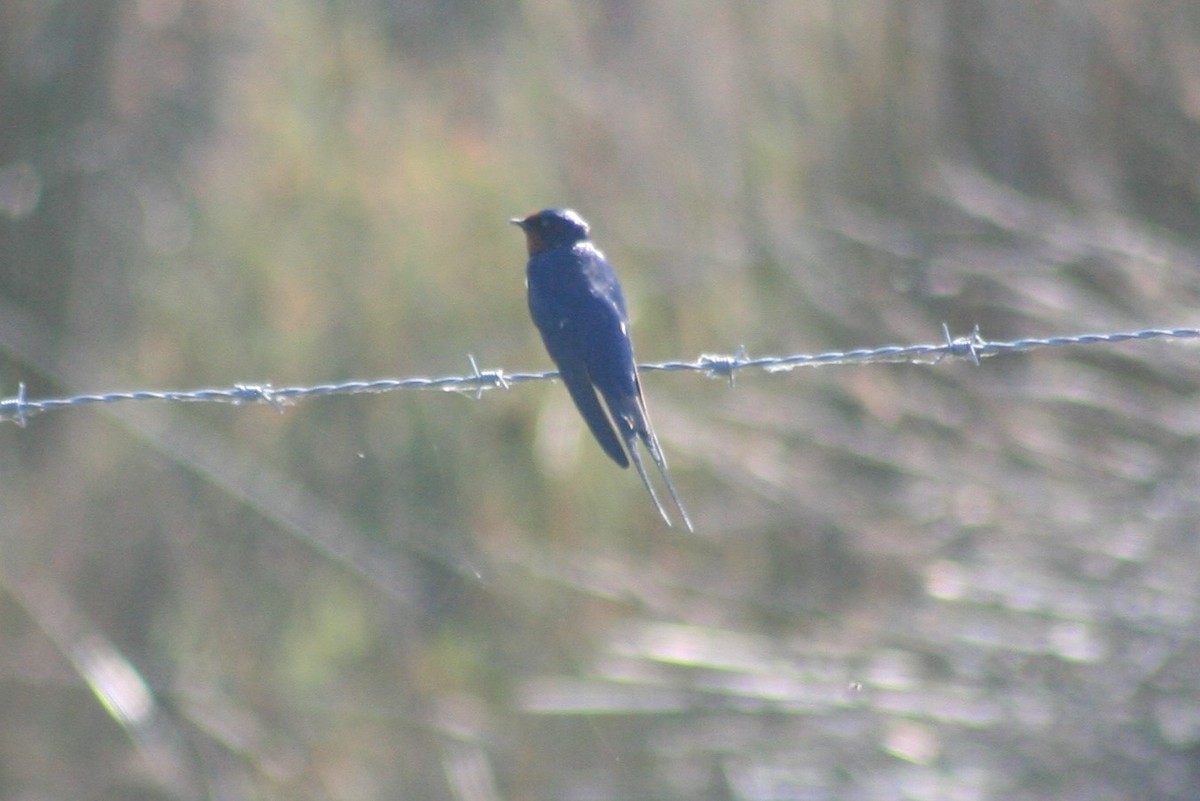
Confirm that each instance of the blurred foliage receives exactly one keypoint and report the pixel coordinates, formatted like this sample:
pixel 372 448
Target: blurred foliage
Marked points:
pixel 908 582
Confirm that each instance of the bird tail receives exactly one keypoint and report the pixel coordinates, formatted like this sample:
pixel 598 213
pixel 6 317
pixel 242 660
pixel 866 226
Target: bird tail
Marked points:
pixel 631 446
pixel 651 442
pixel 643 429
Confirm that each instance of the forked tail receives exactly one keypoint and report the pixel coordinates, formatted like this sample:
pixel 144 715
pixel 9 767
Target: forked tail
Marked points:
pixel 651 443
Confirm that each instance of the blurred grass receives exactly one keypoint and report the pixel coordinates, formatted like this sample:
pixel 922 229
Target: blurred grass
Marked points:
pixel 305 192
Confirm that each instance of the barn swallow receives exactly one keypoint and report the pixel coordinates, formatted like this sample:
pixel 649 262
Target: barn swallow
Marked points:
pixel 576 303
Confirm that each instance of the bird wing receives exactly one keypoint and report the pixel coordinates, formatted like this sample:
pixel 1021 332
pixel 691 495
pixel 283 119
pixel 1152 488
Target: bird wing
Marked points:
pixel 575 375
pixel 602 280
pixel 614 371
pixel 570 301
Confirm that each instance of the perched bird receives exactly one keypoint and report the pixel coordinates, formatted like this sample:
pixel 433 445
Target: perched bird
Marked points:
pixel 577 305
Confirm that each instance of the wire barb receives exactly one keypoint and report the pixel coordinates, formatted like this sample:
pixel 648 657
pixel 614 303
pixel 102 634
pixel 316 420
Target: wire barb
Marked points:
pixel 485 379
pixel 259 393
pixel 963 347
pixel 716 365
pixel 972 347
pixel 19 416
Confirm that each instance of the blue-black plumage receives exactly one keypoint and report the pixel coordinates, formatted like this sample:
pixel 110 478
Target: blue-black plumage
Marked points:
pixel 577 305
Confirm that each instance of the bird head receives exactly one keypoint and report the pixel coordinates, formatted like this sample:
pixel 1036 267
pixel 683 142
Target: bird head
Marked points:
pixel 551 228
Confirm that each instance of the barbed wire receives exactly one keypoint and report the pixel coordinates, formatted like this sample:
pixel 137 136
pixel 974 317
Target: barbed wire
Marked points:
pixel 972 347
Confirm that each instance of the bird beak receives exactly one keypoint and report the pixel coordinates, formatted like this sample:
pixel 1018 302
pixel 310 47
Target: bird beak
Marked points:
pixel 518 221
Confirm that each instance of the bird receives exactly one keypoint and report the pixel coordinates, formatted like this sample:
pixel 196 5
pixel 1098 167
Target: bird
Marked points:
pixel 577 305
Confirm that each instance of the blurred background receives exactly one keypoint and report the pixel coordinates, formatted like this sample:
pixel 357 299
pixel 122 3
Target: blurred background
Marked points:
pixel 907 582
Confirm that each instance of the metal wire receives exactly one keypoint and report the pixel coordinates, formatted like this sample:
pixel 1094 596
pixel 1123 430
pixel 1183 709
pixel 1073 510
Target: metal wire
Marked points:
pixel 972 347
